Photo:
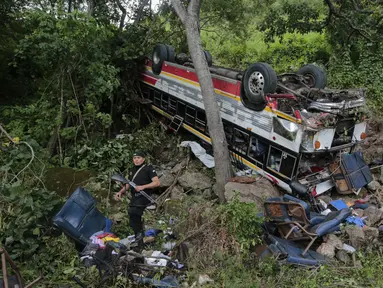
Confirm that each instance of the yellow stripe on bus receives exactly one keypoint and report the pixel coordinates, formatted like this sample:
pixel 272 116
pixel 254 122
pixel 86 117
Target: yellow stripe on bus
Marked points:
pixel 189 128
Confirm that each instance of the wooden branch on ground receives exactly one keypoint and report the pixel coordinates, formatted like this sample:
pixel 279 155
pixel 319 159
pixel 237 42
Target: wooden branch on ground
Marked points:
pixel 197 232
pixel 161 199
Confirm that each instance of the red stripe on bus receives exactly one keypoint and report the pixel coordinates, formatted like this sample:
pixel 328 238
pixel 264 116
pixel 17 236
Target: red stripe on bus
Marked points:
pixel 228 87
pixel 149 79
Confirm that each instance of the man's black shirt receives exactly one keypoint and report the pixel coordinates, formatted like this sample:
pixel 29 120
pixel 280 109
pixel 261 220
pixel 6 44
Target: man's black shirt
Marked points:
pixel 144 176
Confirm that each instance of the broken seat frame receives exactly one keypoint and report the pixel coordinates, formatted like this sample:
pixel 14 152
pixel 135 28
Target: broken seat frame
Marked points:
pixel 274 211
pixel 4 259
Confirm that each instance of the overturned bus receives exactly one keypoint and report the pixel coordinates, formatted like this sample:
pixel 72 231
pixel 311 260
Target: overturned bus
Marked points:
pixel 289 128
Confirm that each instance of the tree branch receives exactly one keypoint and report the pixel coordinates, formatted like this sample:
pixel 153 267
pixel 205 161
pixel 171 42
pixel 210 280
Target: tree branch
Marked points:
pixel 140 11
pixel 333 11
pixel 123 15
pixel 180 10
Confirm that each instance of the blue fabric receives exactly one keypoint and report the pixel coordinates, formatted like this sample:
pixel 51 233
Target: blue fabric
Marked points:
pixel 152 232
pixel 331 222
pixel 108 225
pixel 167 281
pixel 79 218
pixel 355 220
pixel 357 171
pixel 360 206
pixel 339 204
pixel 292 252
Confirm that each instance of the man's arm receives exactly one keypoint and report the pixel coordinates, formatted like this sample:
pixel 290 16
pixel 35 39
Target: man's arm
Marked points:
pixel 155 183
pixel 124 189
pixel 120 193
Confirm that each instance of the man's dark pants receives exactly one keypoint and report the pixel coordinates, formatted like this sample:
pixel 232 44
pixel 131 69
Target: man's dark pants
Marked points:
pixel 136 209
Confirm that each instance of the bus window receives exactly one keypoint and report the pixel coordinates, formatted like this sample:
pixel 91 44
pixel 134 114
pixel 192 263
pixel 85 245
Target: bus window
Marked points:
pixel 181 109
pixel 285 128
pixel 164 101
pixel 157 98
pixel 258 150
pixel 200 121
pixel 228 132
pixel 241 141
pixel 172 106
pixel 281 162
pixel 190 115
pixel 145 92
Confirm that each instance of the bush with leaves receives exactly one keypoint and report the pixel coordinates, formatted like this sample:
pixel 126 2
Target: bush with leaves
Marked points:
pixel 25 215
pixel 243 223
pixel 115 155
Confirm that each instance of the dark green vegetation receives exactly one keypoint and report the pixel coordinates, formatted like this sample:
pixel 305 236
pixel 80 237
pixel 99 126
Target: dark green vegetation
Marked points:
pixel 68 84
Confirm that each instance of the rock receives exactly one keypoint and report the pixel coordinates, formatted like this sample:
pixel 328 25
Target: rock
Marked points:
pixel 256 192
pixel 374 215
pixel 342 256
pixel 195 181
pixel 373 185
pixel 178 167
pixel 334 241
pixel 355 235
pixel 325 198
pixel 166 179
pixel 207 194
pixel 370 233
pixel 204 279
pixel 326 249
pixel 177 192
pixel 359 212
pixel 243 179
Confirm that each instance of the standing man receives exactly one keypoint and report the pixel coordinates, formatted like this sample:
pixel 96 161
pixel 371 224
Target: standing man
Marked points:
pixel 145 177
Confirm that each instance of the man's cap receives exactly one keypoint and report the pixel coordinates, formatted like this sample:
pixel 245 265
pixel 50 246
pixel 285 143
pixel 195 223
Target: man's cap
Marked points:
pixel 139 153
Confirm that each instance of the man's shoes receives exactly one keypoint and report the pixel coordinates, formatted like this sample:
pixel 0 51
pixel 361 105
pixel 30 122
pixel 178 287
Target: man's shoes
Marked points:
pixel 138 242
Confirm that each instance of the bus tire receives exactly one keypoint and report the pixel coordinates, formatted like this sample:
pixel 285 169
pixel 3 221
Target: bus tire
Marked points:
pixel 208 57
pixel 171 54
pixel 259 79
pixel 159 55
pixel 315 76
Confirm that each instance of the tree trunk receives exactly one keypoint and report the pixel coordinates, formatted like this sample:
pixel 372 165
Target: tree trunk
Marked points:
pixel 223 169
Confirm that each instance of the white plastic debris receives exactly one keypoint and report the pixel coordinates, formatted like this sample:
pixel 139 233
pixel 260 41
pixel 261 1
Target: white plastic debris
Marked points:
pixel 325 212
pixel 204 279
pixel 155 261
pixel 348 248
pixel 200 152
pixel 128 240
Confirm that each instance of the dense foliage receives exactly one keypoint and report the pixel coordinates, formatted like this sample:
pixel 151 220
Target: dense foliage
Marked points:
pixel 68 75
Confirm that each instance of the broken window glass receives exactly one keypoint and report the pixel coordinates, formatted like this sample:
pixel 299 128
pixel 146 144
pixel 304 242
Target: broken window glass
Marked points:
pixel 258 150
pixel 241 141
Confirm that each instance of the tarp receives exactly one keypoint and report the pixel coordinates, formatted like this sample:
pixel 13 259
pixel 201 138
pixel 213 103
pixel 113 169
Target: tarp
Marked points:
pixel 200 152
pixel 357 171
